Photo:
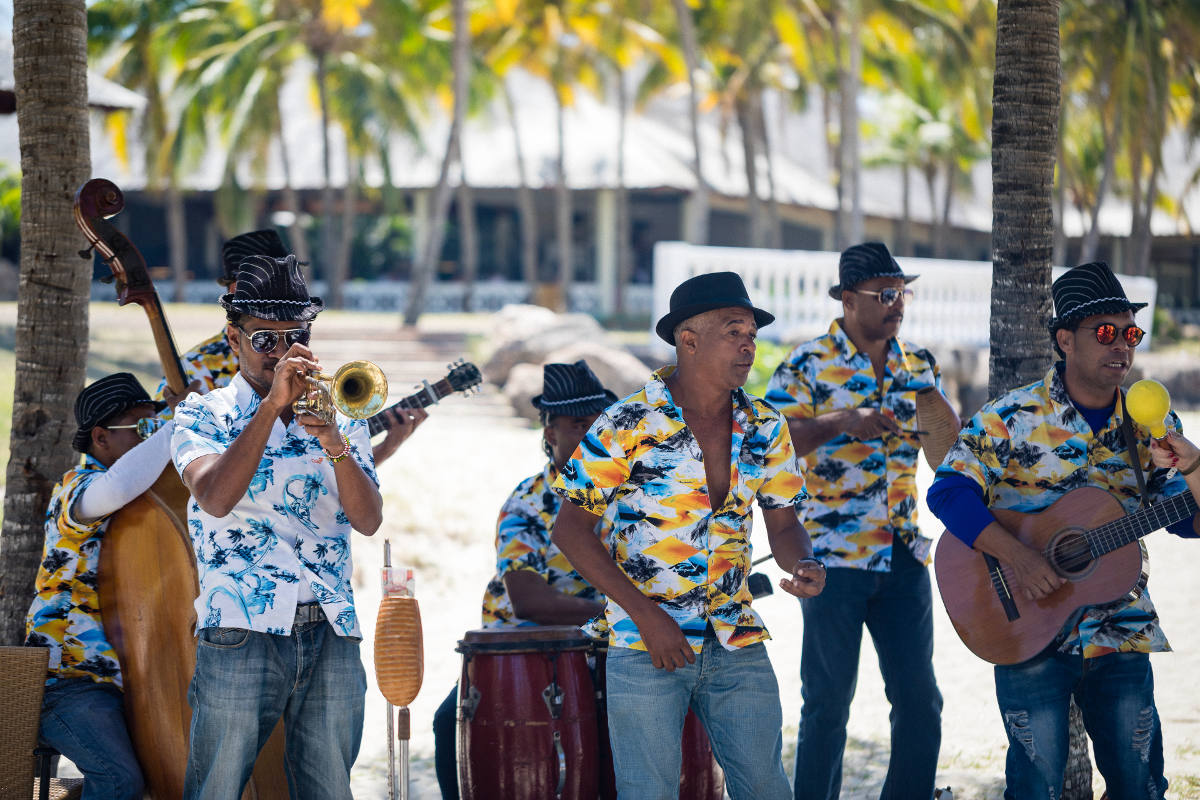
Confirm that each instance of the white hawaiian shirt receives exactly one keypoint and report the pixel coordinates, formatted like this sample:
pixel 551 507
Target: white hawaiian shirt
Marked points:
pixel 288 531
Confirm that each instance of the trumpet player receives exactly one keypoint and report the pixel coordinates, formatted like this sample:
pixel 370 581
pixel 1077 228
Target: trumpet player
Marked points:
pixel 275 494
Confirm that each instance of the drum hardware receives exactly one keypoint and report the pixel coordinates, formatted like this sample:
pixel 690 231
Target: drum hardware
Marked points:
pixel 553 694
pixel 562 764
pixel 469 705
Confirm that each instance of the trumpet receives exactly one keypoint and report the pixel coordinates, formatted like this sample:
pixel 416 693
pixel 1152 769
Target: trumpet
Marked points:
pixel 358 389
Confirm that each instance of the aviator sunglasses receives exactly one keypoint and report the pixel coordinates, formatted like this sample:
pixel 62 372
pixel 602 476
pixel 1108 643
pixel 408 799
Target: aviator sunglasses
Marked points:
pixel 1107 334
pixel 888 296
pixel 145 427
pixel 265 341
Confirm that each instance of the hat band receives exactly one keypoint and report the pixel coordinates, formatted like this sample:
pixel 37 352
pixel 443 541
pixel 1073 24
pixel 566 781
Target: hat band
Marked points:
pixel 572 400
pixel 1094 302
pixel 270 302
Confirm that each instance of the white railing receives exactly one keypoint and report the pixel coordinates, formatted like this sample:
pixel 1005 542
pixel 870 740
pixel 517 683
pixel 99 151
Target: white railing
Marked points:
pixel 952 303
pixel 441 297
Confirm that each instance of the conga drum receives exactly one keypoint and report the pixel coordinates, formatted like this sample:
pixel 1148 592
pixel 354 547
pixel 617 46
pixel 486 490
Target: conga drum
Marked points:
pixel 700 777
pixel 527 715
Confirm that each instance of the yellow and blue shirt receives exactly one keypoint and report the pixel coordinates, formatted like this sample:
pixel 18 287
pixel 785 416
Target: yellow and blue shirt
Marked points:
pixel 65 614
pixel 862 491
pixel 212 362
pixel 641 466
pixel 1028 448
pixel 523 543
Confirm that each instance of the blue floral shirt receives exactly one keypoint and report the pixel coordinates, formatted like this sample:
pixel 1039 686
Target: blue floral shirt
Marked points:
pixel 287 531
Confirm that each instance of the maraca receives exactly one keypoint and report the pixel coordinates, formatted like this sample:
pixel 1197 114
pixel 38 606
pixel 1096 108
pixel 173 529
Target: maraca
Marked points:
pixel 1149 403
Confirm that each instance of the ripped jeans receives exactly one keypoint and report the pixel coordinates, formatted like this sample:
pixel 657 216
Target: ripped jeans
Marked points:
pixel 1115 692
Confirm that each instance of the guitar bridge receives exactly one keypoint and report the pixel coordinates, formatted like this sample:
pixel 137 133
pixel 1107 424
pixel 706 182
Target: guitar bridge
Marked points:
pixel 1000 584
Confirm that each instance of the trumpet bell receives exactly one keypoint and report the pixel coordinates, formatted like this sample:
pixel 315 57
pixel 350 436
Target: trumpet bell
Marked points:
pixel 359 389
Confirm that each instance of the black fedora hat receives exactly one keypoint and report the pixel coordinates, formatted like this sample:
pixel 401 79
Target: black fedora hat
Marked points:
pixel 1088 290
pixel 862 262
pixel 706 292
pixel 273 289
pixel 111 395
pixel 572 390
pixel 255 243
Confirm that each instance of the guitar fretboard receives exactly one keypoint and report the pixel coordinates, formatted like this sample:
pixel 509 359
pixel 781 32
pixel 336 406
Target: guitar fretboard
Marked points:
pixel 430 394
pixel 1118 533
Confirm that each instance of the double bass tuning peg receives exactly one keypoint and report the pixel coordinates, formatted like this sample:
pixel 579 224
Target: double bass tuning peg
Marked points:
pixel 86 252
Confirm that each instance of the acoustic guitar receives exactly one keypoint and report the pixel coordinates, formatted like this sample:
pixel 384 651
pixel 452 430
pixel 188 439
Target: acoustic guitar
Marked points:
pixel 1088 539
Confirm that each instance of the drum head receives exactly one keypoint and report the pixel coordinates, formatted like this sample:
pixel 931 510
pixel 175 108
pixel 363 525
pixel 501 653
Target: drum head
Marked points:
pixel 528 639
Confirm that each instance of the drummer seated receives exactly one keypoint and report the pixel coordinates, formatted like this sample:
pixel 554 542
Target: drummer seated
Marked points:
pixel 82 707
pixel 534 583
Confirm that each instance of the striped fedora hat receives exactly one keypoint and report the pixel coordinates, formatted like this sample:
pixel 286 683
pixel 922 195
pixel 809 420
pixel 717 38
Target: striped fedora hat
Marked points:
pixel 1085 291
pixel 273 289
pixel 255 243
pixel 572 390
pixel 862 262
pixel 111 395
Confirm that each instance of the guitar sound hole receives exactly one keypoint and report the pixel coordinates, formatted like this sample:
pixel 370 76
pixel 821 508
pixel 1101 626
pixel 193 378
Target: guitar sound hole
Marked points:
pixel 1070 555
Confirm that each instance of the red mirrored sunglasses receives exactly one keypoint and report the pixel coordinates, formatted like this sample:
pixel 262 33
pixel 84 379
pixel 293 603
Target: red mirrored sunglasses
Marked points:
pixel 1107 334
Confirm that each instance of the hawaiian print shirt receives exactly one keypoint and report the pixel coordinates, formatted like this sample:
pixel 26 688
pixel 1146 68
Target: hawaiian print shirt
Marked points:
pixel 523 543
pixel 289 527
pixel 862 490
pixel 212 362
pixel 691 559
pixel 1031 446
pixel 65 614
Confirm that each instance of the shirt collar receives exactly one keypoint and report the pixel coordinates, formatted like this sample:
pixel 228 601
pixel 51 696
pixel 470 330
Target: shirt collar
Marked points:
pixel 244 394
pixel 659 395
pixel 897 355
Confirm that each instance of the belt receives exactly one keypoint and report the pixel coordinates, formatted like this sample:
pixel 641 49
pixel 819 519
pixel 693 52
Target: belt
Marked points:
pixel 308 612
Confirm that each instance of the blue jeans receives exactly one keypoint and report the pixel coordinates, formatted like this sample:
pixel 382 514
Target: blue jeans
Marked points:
pixel 445 745
pixel 84 721
pixel 897 609
pixel 245 681
pixel 1115 692
pixel 736 697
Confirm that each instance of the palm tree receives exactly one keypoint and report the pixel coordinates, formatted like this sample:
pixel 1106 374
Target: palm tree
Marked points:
pixel 50 71
pixel 697 216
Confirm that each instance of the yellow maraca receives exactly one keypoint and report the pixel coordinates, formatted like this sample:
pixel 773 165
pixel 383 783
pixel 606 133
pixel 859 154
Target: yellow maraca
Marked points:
pixel 1149 403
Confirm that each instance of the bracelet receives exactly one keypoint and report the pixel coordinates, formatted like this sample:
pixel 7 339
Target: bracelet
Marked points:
pixel 1192 468
pixel 816 561
pixel 345 451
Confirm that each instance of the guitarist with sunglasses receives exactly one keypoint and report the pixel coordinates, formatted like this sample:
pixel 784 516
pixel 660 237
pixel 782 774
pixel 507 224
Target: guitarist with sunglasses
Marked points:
pixel 1023 452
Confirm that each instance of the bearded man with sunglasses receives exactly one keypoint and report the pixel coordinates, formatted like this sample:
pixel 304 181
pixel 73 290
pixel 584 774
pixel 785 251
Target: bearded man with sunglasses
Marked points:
pixel 1025 450
pixel 850 400
pixel 274 498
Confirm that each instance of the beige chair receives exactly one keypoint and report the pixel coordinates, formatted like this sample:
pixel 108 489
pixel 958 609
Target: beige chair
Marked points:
pixel 24 671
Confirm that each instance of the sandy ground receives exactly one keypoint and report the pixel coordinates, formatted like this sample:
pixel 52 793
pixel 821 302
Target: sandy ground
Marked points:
pixel 442 492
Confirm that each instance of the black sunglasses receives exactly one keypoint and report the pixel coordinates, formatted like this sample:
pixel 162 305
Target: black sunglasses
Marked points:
pixel 265 341
pixel 888 296
pixel 1107 334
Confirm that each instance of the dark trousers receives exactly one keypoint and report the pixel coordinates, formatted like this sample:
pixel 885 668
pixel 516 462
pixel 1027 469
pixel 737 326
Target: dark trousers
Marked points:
pixel 445 743
pixel 897 609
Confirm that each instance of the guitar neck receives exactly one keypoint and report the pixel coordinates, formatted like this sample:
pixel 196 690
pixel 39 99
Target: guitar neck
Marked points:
pixel 429 395
pixel 1120 532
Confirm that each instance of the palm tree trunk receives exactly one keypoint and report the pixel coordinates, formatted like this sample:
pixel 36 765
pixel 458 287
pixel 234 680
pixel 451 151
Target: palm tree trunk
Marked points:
pixel 774 223
pixel 849 81
pixel 326 241
pixel 291 199
pixel 562 203
pixel 904 235
pixel 340 272
pixel 750 161
pixel 941 244
pixel 697 232
pixel 423 268
pixel 526 209
pixel 177 238
pixel 468 241
pixel 624 249
pixel 1060 202
pixel 1091 240
pixel 50 71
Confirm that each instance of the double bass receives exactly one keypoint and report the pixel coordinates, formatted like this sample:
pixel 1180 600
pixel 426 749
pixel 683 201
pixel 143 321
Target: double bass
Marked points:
pixel 148 579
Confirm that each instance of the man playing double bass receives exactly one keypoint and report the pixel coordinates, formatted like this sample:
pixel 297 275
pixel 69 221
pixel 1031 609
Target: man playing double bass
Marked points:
pixel 1023 451
pixel 82 713
pixel 274 498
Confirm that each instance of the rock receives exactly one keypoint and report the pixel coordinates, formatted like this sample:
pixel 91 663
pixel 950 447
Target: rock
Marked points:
pixel 616 368
pixel 524 382
pixel 527 334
